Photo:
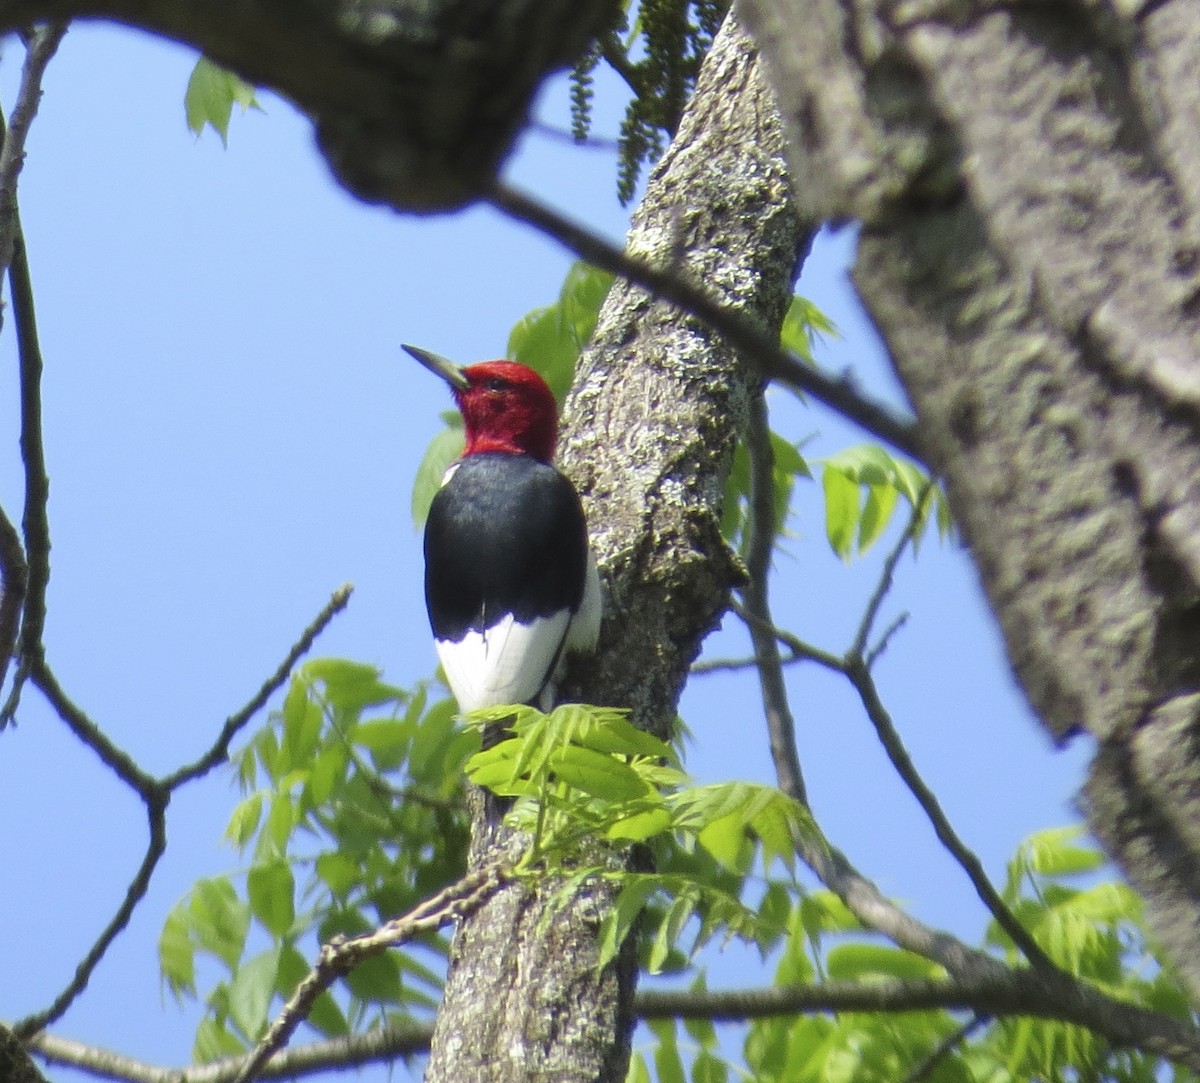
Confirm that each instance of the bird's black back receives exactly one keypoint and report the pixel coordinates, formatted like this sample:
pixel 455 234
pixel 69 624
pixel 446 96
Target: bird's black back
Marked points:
pixel 506 534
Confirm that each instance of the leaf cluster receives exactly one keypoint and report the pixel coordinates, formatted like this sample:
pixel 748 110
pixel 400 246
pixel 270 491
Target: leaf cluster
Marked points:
pixel 351 814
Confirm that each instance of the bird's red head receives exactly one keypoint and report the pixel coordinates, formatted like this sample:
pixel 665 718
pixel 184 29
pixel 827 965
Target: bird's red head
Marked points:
pixel 506 406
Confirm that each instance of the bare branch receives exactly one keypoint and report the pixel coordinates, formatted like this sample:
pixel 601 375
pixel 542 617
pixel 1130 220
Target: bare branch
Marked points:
pixel 864 684
pixel 1009 992
pixel 760 545
pixel 352 1051
pixel 220 747
pixel 801 651
pixel 24 572
pixel 155 793
pixel 857 671
pixel 114 757
pixel 944 1048
pixel 887 576
pixel 14 582
pixel 753 344
pixel 36 519
pixel 40 47
pixel 342 955
pixel 156 814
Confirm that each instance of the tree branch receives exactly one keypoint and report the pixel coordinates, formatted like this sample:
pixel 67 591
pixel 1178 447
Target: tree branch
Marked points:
pixel 341 955
pixel 156 815
pixel 40 46
pixel 219 750
pixel 155 793
pixel 25 572
pixel 751 341
pixel 859 675
pixel 760 545
pixel 1011 993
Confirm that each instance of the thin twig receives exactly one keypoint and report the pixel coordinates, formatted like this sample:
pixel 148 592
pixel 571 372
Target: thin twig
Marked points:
pixel 24 570
pixel 967 859
pixel 155 794
pixel 858 672
pixel 801 651
pixel 753 344
pixel 876 652
pixel 617 57
pixel 36 519
pixel 888 574
pixel 945 1047
pixel 138 886
pixel 120 762
pixel 219 749
pixel 342 955
pixel 708 666
pixel 760 544
pixel 561 135
pixel 40 47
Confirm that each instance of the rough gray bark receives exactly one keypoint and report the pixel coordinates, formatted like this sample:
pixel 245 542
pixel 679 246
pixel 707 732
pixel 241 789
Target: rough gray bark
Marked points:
pixel 1029 182
pixel 416 104
pixel 650 431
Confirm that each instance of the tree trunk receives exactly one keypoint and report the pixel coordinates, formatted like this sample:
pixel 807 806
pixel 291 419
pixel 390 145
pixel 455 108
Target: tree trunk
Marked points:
pixel 650 431
pixel 1028 179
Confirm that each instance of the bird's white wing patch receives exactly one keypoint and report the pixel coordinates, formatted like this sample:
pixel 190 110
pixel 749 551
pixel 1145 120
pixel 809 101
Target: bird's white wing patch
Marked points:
pixel 584 632
pixel 508 663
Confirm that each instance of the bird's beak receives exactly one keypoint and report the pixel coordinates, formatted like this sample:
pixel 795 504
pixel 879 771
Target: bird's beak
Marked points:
pixel 439 366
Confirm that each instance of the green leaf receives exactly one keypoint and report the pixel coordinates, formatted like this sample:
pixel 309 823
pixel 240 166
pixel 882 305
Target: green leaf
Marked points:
pixel 328 769
pixel 668 1064
pixel 673 920
pixel 215 1042
pixel 219 920
pixel 550 339
pixel 625 911
pixel 377 980
pixel 855 961
pixel 638 1072
pixel 803 323
pixel 210 97
pixel 641 825
pixel 876 514
pixel 244 821
pixel 597 774
pixel 841 511
pixel 302 720
pixel 338 871
pixel 726 840
pixel 271 891
pixel 1052 853
pixel 443 449
pixel 176 953
pixel 708 1068
pixel 251 991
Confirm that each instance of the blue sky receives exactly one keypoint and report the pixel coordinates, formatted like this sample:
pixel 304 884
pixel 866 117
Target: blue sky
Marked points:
pixel 232 433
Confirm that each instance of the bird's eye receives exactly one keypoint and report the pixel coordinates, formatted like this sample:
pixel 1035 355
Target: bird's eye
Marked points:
pixel 494 383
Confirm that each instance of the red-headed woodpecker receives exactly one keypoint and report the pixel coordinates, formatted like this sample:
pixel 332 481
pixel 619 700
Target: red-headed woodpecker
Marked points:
pixel 510 583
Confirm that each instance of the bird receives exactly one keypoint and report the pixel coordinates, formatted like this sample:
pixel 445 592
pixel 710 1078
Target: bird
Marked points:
pixel 511 585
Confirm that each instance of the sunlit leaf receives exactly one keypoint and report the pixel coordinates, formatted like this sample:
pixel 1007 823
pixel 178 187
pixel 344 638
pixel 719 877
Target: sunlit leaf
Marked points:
pixel 841 511
pixel 211 94
pixel 443 449
pixel 270 889
pixel 251 991
pixel 176 953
